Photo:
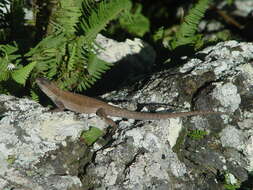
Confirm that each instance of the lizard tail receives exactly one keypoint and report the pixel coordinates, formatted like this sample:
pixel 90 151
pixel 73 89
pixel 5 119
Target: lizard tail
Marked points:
pixel 118 112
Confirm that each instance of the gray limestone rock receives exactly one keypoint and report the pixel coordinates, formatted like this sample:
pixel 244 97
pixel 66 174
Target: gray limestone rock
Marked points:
pixel 41 150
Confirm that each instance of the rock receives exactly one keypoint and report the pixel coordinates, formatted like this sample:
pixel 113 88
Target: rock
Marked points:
pixel 130 58
pixel 112 51
pixel 39 150
pixel 218 78
pixel 43 150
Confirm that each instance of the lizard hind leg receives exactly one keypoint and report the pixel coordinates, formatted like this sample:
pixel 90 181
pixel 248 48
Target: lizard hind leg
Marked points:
pixel 101 113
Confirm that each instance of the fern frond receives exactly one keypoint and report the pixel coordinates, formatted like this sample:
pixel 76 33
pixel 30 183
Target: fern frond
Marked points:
pixel 8 60
pixel 73 57
pixel 49 54
pixel 66 53
pixel 135 22
pixel 5 73
pixel 69 80
pixel 99 18
pixel 21 75
pixel 97 66
pixel 186 33
pixel 84 84
pixel 34 96
pixel 68 15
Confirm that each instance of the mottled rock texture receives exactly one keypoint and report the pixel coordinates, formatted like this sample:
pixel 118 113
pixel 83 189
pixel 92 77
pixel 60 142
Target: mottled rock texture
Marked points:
pixel 42 150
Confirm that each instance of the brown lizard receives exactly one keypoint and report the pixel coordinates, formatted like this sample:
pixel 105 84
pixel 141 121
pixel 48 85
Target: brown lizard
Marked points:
pixel 84 104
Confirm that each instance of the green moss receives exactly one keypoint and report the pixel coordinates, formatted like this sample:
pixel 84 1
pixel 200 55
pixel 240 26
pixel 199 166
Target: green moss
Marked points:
pixel 230 183
pixel 92 135
pixel 11 159
pixel 180 141
pixel 196 134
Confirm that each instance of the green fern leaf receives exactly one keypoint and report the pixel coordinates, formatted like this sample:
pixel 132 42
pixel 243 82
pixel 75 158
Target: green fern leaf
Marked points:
pixel 73 57
pixel 4 76
pixel 97 66
pixel 98 19
pixel 65 53
pixel 8 60
pixel 83 85
pixel 92 135
pixel 135 23
pixel 186 34
pixel 34 96
pixel 21 75
pixel 68 15
pixel 3 70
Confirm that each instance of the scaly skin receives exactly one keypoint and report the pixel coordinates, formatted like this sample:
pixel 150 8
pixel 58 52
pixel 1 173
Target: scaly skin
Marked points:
pixel 84 104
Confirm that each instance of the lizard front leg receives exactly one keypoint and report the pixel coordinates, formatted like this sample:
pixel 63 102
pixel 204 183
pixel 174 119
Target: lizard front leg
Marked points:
pixel 59 106
pixel 102 114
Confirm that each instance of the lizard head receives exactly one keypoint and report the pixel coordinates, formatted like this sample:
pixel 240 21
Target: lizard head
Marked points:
pixel 42 81
pixel 48 87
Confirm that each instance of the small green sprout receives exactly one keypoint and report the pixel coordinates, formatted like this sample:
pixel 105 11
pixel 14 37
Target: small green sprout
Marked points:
pixel 231 183
pixel 92 135
pixel 197 134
